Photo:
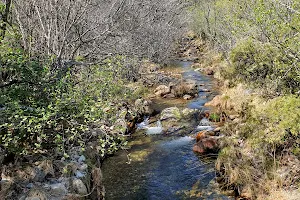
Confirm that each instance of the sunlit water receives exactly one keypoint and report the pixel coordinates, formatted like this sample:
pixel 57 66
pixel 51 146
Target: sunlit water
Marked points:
pixel 157 167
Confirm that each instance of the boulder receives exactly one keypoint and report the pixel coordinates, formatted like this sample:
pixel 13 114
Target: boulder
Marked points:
pixel 81 159
pixel 170 113
pixel 188 112
pixel 185 87
pixel 162 90
pixel 170 118
pixel 215 102
pixel 206 144
pixel 145 107
pixel 221 101
pixel 148 107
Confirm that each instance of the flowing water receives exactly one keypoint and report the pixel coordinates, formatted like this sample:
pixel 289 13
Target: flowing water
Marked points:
pixel 157 167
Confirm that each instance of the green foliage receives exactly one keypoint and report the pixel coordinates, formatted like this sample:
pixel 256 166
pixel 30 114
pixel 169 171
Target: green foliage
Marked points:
pixel 214 117
pixel 41 114
pixel 261 37
pixel 255 147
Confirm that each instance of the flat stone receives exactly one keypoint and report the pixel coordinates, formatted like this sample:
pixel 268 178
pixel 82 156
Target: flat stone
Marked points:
pixel 187 97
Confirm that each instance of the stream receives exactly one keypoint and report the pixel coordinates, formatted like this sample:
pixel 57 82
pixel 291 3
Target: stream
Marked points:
pixel 158 167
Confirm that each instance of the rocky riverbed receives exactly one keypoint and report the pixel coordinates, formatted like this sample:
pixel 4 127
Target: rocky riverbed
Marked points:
pixel 171 155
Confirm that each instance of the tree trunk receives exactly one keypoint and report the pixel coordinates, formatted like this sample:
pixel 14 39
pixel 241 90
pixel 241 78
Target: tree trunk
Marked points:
pixel 4 17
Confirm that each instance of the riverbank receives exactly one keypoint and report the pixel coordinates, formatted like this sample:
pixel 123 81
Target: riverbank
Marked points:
pixel 259 157
pixel 77 174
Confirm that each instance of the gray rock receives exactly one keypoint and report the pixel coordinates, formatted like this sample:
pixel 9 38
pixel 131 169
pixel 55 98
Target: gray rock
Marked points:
pixel 204 122
pixel 79 186
pixel 58 189
pixel 185 87
pixel 162 90
pixel 144 106
pixel 187 97
pixel 172 112
pixel 83 167
pixel 79 174
pixel 188 112
pixel 81 159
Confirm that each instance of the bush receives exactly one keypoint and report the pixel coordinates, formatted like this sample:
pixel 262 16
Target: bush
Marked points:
pixel 260 40
pixel 41 111
pixel 257 148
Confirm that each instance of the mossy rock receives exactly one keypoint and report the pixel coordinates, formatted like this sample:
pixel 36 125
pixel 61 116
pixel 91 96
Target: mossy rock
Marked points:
pixel 171 113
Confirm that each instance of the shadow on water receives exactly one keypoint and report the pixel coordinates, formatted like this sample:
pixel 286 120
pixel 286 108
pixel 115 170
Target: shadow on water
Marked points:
pixel 162 168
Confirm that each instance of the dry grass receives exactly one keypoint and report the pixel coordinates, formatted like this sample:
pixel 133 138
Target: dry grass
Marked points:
pixel 282 195
pixel 252 161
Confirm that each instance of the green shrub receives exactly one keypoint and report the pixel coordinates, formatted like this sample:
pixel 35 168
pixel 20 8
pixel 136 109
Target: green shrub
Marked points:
pixel 214 117
pixel 40 113
pixel 260 39
pixel 255 147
